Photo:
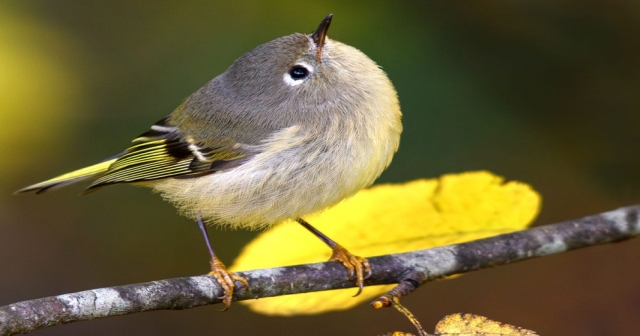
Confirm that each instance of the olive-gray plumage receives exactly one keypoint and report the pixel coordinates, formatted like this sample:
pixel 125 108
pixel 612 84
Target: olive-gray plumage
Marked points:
pixel 261 143
pixel 311 144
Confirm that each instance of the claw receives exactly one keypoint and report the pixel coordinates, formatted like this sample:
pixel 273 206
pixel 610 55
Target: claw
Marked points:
pixel 355 265
pixel 226 280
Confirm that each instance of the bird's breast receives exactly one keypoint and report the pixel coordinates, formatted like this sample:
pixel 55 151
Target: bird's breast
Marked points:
pixel 297 170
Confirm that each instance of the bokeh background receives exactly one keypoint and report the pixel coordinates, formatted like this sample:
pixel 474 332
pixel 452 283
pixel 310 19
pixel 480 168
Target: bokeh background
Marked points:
pixel 545 92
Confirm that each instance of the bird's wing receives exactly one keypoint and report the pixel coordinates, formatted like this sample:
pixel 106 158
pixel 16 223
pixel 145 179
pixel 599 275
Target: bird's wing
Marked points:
pixel 161 152
pixel 164 152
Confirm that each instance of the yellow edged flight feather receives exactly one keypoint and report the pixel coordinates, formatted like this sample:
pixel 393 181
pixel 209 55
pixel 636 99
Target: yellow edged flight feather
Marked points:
pixel 160 153
pixel 68 178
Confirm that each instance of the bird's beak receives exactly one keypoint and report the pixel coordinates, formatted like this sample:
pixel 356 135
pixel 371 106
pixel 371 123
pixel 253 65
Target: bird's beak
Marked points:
pixel 320 35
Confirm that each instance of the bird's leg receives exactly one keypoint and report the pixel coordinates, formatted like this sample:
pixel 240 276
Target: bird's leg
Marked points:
pixel 355 265
pixel 219 271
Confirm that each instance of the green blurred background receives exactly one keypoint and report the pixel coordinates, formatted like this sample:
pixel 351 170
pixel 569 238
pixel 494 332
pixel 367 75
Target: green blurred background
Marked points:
pixel 545 92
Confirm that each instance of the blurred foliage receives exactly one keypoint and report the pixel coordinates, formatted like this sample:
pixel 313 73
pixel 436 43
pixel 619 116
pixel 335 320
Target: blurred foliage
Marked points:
pixel 390 218
pixel 543 92
pixel 39 94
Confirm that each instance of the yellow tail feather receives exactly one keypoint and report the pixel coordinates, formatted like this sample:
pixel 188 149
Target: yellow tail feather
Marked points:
pixel 69 178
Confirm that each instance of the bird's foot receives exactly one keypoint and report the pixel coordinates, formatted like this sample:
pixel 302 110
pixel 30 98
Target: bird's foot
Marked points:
pixel 358 267
pixel 226 280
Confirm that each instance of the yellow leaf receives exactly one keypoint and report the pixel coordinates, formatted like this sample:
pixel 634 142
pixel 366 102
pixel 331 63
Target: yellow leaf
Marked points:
pixel 469 324
pixel 391 218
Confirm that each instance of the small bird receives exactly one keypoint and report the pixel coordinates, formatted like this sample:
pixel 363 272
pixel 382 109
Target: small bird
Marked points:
pixel 292 127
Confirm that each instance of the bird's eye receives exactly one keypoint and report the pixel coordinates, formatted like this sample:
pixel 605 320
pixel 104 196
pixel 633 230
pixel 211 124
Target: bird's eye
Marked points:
pixel 299 72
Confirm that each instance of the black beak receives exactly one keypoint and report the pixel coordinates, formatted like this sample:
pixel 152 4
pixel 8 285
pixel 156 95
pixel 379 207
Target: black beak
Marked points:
pixel 320 35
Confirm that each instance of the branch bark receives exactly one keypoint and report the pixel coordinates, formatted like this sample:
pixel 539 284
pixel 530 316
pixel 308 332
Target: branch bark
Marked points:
pixel 408 269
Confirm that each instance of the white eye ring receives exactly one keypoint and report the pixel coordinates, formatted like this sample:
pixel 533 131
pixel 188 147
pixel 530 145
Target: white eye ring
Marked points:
pixel 297 81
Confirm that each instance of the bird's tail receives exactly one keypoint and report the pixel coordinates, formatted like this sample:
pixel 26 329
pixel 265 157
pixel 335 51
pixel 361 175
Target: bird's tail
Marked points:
pixel 69 178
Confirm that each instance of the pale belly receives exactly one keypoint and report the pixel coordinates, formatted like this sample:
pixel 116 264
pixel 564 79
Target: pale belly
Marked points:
pixel 272 188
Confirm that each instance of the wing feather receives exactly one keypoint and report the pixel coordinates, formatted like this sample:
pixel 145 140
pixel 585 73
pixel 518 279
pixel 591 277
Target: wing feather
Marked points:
pixel 161 152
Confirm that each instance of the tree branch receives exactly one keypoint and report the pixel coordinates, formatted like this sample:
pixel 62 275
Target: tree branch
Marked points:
pixel 408 269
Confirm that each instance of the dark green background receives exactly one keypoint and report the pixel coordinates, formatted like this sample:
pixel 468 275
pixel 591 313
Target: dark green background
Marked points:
pixel 545 92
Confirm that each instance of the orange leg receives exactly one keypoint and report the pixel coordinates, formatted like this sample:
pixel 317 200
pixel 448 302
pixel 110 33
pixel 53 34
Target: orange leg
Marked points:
pixel 357 267
pixel 219 271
